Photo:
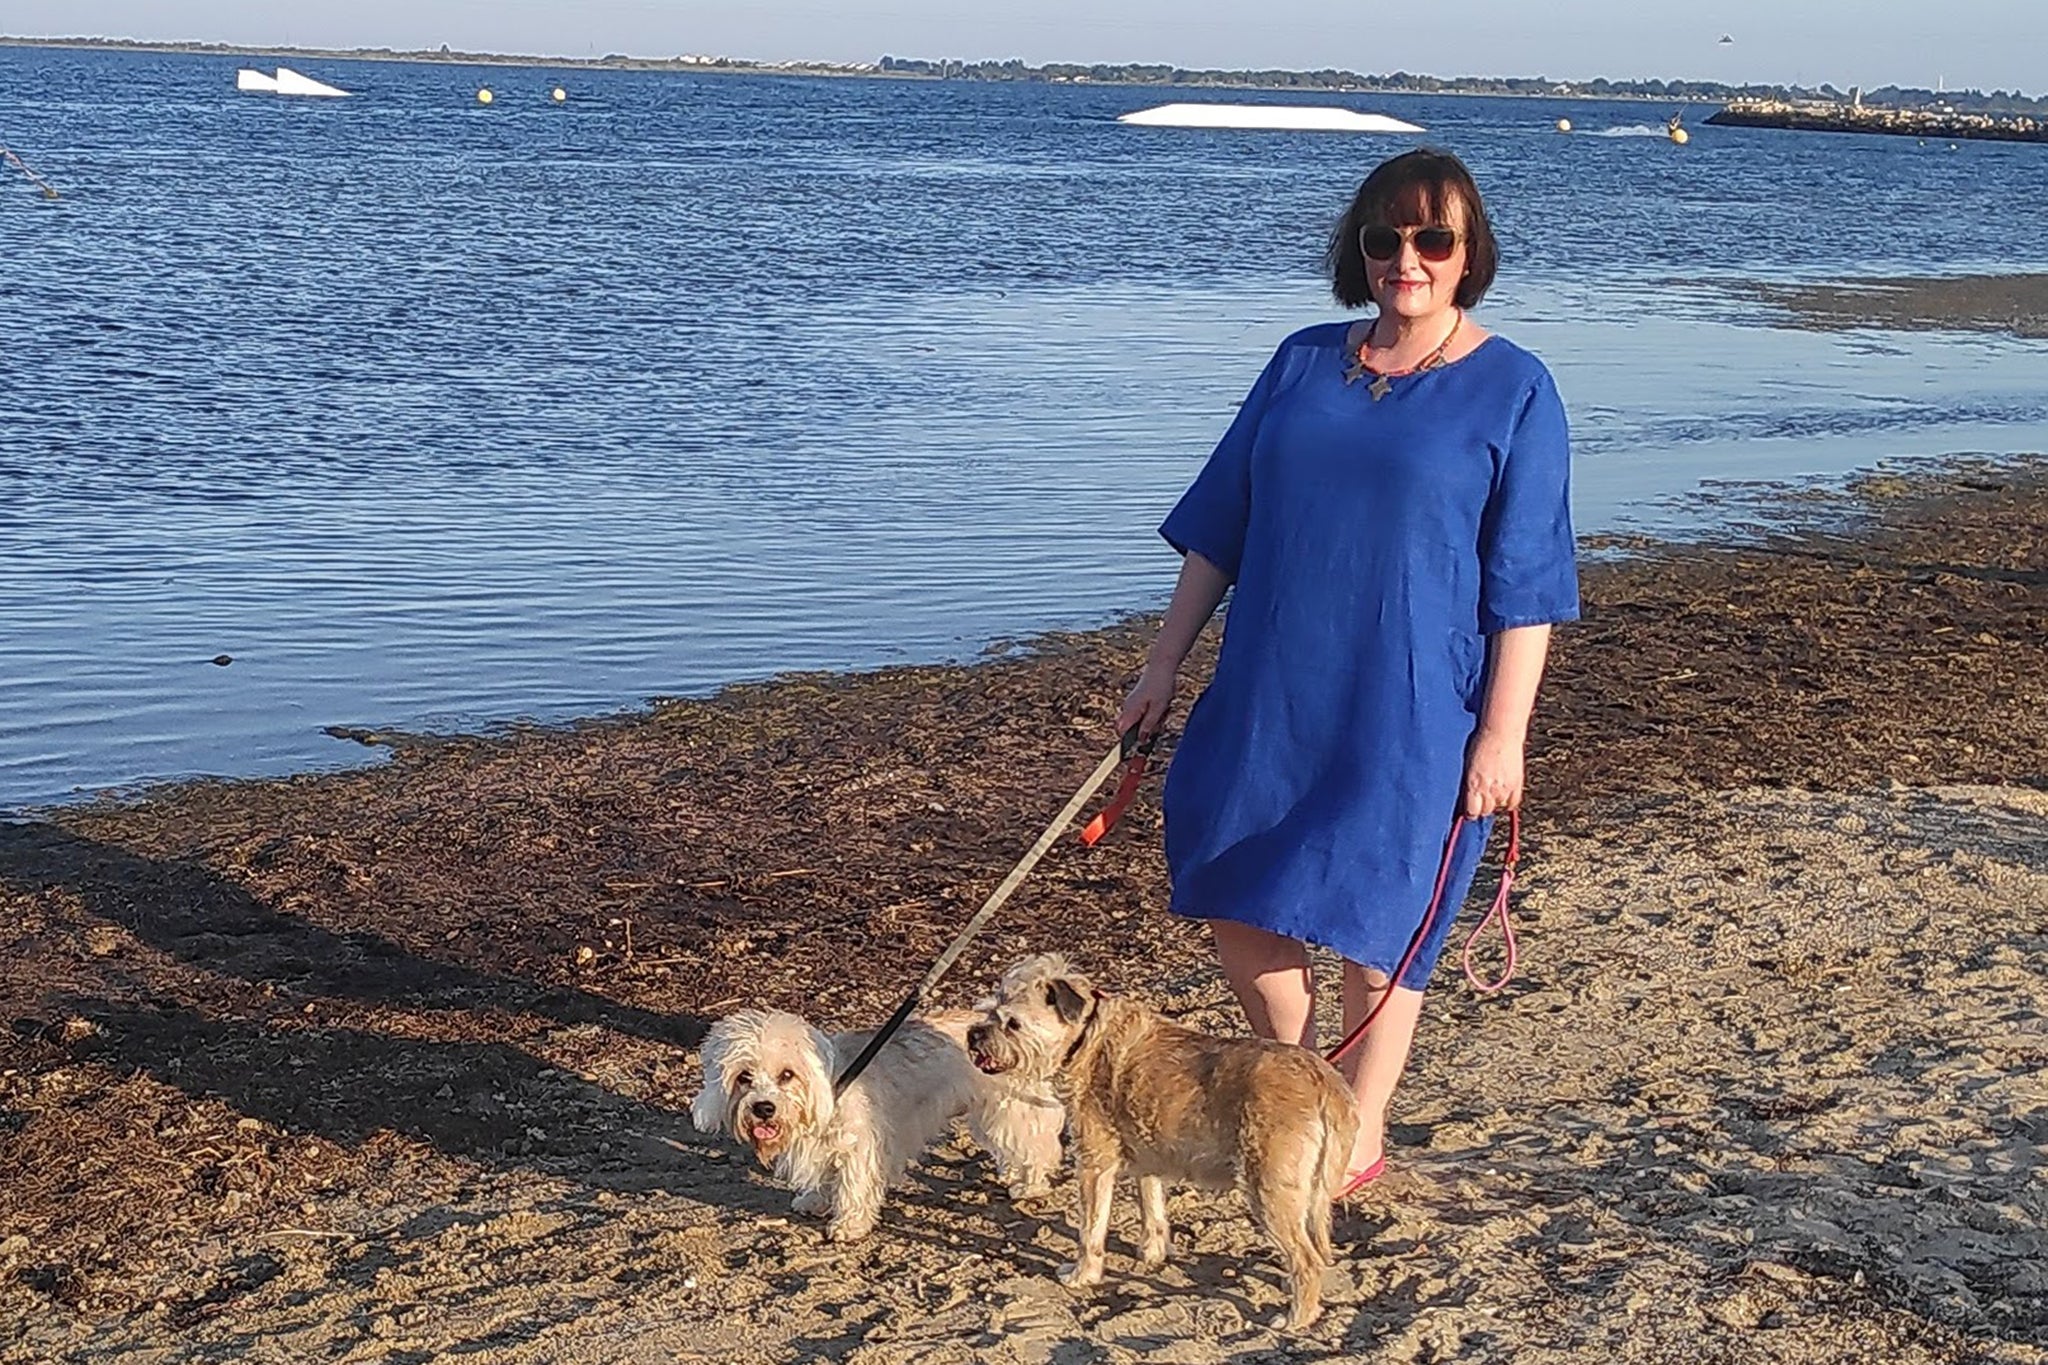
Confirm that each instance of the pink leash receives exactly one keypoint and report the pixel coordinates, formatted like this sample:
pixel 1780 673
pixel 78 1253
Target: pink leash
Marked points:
pixel 1499 908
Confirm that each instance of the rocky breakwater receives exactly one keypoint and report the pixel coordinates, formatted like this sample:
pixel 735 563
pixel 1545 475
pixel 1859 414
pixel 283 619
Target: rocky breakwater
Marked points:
pixel 1856 118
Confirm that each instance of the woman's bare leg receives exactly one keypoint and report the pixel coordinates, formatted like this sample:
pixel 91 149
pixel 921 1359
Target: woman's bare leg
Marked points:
pixel 1374 1067
pixel 1270 974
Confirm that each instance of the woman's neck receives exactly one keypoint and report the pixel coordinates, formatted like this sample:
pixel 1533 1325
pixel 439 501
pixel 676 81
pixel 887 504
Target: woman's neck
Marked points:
pixel 1402 340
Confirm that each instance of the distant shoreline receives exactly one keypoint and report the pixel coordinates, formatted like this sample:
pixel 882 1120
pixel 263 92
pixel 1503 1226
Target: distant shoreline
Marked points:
pixel 717 66
pixel 712 67
pixel 1132 74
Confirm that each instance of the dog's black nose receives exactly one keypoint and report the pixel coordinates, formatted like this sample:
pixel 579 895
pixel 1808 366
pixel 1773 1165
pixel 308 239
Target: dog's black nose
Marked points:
pixel 764 1109
pixel 977 1035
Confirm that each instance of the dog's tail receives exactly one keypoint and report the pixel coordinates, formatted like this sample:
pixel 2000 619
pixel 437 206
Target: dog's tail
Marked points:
pixel 1340 1125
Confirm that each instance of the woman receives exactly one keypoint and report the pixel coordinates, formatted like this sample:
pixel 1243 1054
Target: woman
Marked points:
pixel 1391 506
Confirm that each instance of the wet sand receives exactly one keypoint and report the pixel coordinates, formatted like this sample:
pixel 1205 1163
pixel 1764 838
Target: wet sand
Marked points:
pixel 2017 304
pixel 391 1065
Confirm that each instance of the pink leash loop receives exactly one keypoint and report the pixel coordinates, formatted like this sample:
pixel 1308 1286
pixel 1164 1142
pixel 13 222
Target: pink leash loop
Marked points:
pixel 1499 908
pixel 1436 899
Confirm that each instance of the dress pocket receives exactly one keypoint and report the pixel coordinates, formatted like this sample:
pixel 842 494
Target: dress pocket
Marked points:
pixel 1468 665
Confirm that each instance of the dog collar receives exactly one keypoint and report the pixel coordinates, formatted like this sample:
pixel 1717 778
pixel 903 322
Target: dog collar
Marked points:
pixel 1095 1010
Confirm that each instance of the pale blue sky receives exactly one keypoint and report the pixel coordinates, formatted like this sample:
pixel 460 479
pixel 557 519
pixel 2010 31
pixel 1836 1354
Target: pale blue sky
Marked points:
pixel 1985 43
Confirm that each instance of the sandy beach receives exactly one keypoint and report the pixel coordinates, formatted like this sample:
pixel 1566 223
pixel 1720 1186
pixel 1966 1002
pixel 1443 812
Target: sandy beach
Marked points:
pixel 392 1065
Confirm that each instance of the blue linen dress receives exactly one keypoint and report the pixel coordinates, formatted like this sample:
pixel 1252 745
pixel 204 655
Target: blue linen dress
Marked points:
pixel 1373 546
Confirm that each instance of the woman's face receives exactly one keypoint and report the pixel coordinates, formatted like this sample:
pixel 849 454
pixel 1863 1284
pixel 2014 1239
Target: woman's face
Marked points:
pixel 1408 283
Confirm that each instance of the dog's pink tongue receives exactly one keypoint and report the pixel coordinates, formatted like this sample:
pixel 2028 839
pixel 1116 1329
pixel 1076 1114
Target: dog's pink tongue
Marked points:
pixel 763 1131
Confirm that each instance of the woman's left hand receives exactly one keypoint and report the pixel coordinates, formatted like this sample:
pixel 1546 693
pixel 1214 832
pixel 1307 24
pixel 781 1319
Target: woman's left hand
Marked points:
pixel 1493 774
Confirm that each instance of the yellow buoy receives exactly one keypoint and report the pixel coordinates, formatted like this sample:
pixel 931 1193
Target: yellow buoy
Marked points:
pixel 558 94
pixel 1564 125
pixel 1680 136
pixel 483 96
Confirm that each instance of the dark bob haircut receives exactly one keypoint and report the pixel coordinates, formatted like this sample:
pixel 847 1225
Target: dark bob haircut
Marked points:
pixel 1414 189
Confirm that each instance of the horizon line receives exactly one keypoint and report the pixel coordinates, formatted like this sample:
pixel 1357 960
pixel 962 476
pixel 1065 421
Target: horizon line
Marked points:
pixel 446 54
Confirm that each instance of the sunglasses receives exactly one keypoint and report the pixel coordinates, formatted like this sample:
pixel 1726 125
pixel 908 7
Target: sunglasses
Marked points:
pixel 1383 243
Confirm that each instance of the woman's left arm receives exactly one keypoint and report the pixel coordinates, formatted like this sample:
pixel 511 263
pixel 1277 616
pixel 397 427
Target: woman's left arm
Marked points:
pixel 1494 758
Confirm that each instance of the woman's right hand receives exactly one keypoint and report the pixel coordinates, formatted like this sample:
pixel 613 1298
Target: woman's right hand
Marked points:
pixel 1148 703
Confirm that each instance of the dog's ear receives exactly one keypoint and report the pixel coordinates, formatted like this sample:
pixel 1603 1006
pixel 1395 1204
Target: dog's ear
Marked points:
pixel 820 1073
pixel 1065 1001
pixel 707 1110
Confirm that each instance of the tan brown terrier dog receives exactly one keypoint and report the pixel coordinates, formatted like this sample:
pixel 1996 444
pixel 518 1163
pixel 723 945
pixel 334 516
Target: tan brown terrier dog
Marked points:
pixel 1274 1121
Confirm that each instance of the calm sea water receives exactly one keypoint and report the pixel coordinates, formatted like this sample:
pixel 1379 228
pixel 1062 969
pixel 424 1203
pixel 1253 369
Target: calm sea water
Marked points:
pixel 433 415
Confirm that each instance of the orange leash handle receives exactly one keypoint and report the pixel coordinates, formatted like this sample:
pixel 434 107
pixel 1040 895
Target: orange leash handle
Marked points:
pixel 1136 753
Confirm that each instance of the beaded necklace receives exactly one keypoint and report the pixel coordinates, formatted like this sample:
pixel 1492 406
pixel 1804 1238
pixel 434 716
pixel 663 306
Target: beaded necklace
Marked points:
pixel 1383 380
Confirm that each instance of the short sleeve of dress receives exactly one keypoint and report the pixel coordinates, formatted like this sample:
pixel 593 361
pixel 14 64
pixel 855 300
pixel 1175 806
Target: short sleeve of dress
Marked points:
pixel 1527 573
pixel 1210 518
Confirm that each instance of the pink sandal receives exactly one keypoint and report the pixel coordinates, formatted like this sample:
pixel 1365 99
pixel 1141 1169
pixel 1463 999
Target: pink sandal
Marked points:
pixel 1360 1179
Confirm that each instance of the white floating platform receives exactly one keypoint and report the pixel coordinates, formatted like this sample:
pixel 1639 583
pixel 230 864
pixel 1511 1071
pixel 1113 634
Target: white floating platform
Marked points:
pixel 1295 117
pixel 285 82
pixel 290 82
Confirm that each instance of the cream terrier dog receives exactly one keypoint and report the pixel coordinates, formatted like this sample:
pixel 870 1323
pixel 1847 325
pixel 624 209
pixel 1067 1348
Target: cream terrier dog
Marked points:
pixel 1272 1120
pixel 768 1080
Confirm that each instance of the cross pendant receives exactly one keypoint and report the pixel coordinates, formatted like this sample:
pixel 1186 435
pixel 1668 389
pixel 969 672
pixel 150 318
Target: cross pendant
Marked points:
pixel 1379 387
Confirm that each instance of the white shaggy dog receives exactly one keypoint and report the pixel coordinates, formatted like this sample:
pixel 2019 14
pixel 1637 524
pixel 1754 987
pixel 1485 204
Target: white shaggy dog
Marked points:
pixel 768 1081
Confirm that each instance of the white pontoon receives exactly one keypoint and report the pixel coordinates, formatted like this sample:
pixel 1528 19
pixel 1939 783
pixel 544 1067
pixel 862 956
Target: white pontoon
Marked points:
pixel 1297 117
pixel 285 82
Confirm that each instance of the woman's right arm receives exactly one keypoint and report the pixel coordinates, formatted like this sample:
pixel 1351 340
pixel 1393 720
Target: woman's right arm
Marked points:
pixel 1200 587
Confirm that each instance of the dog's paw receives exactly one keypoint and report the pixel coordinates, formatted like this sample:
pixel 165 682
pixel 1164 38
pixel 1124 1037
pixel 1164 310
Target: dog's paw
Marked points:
pixel 1024 1190
pixel 1079 1275
pixel 844 1230
pixel 811 1203
pixel 1297 1321
pixel 1153 1255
